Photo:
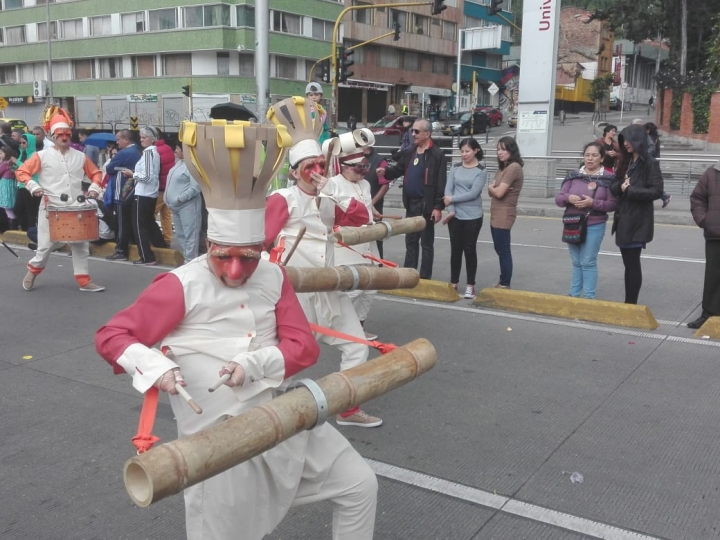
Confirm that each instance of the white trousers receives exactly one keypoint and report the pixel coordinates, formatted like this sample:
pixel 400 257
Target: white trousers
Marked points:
pixel 187 220
pixel 362 302
pixel 80 250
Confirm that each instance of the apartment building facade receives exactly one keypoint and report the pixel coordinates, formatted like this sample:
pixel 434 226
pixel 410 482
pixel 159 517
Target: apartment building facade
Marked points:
pixel 115 60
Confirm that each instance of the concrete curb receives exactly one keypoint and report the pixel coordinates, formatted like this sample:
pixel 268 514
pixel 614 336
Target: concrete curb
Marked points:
pixel 428 289
pixel 165 257
pixel 710 328
pixel 566 307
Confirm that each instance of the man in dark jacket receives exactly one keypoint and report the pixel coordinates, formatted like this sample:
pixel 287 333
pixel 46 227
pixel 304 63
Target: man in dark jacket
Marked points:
pixel 6 137
pixel 705 208
pixel 638 182
pixel 424 168
pixel 120 192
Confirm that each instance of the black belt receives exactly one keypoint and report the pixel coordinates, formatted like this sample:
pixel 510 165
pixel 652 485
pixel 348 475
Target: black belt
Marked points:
pixel 415 199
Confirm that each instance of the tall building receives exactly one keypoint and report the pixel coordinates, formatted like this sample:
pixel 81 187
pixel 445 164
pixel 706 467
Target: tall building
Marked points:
pixel 115 60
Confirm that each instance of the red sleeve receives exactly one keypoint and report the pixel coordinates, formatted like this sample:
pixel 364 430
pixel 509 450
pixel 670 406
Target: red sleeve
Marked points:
pixel 297 344
pixel 356 215
pixel 155 313
pixel 276 216
pixel 381 179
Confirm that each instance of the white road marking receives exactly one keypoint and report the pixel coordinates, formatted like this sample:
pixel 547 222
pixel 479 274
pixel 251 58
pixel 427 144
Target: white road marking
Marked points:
pixel 505 504
pixel 555 322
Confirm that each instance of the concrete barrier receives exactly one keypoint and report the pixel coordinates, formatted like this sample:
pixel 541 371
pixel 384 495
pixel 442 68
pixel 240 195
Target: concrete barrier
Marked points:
pixel 566 307
pixel 710 328
pixel 165 257
pixel 428 289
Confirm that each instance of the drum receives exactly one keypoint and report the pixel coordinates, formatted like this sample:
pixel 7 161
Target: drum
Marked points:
pixel 73 223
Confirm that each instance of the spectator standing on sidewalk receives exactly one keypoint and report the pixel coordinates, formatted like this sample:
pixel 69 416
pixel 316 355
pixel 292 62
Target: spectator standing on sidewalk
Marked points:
pixel 93 152
pixel 705 208
pixel 463 199
pixel 167 162
pixel 638 182
pixel 182 196
pixel 504 191
pixel 41 140
pixel 610 147
pixel 424 168
pixel 652 132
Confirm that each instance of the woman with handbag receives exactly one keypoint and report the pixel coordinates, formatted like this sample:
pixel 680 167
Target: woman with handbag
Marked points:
pixel 638 182
pixel 585 195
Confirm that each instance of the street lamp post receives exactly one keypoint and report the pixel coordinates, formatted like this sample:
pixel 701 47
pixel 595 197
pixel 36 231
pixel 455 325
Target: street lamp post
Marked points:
pixel 262 57
pixel 49 54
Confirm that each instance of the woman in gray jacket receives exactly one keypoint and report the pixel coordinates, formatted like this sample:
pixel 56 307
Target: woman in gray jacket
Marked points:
pixel 182 196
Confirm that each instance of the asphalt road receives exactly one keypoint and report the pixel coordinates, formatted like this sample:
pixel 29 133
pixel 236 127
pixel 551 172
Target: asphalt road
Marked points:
pixel 482 447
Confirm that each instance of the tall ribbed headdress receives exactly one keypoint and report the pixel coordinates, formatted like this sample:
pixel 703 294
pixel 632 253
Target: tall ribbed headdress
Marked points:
pixel 234 162
pixel 303 121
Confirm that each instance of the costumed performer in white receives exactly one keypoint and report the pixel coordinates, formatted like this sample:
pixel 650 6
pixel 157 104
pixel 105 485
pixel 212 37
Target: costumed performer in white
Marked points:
pixel 232 312
pixel 316 205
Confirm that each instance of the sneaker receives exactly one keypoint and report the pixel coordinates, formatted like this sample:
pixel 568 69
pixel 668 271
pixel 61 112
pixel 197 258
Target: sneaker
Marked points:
pixel 143 263
pixel 697 323
pixel 359 419
pixel 32 246
pixel 469 292
pixel 29 281
pixel 117 256
pixel 370 337
pixel 499 286
pixel 92 287
pixel 666 201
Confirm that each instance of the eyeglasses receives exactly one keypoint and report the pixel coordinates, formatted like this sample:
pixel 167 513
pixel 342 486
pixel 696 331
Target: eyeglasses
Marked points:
pixel 416 131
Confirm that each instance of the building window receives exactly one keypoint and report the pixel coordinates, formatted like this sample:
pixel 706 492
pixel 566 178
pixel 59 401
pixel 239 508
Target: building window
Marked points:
pixel 493 61
pixel 162 19
pixel 223 63
pixel 12 4
pixel 363 16
pixel 83 69
pixel 360 52
pixel 15 35
pixel 388 57
pixel 286 23
pixel 42 31
pixel 110 68
pixel 32 72
pixel 410 61
pixel 440 65
pixel 100 26
pixel 62 71
pixel 449 31
pixel 286 67
pixel 322 29
pixel 420 25
pixel 8 75
pixel 133 22
pixel 177 64
pixel 247 65
pixel 72 29
pixel 399 16
pixel 143 66
pixel 309 67
pixel 214 15
pixel 43 2
pixel 246 16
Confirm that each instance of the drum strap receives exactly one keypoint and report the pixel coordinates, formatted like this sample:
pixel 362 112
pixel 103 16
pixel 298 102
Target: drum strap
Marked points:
pixel 144 440
pixel 384 348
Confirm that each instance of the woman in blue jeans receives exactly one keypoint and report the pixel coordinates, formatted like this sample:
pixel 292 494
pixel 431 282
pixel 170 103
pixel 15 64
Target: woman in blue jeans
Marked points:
pixel 587 191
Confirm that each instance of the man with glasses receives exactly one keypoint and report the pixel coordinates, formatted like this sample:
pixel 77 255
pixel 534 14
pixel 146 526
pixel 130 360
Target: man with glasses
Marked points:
pixel 424 168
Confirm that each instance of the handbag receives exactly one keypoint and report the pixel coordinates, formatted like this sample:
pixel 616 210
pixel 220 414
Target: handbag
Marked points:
pixel 128 188
pixel 574 228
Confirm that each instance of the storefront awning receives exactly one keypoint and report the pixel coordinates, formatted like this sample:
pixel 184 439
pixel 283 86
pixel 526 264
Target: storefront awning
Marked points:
pixel 370 85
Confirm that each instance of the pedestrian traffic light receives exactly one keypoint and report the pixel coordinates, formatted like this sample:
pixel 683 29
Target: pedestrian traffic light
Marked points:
pixel 325 70
pixel 187 90
pixel 134 123
pixel 438 7
pixel 495 7
pixel 396 27
pixel 344 62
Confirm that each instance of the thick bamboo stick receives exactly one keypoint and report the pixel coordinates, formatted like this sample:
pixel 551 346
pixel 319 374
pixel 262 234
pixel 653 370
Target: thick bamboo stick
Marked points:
pixel 342 278
pixel 171 467
pixel 361 235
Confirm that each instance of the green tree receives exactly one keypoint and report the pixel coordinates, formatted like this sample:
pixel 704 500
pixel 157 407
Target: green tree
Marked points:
pixel 600 89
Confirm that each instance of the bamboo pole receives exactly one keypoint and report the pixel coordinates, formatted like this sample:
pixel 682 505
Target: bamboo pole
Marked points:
pixel 361 235
pixel 343 278
pixel 170 468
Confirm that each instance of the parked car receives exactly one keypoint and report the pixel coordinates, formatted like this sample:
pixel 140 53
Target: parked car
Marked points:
pixel 512 120
pixel 615 103
pixel 15 123
pixel 495 115
pixel 388 125
pixel 460 123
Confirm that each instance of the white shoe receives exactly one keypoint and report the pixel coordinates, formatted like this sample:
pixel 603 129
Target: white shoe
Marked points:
pixel 469 292
pixel 91 287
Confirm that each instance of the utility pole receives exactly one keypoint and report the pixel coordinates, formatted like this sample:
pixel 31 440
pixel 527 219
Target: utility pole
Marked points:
pixel 262 57
pixel 49 54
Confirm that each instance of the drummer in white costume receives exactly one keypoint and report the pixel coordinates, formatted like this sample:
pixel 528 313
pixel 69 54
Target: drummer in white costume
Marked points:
pixel 231 312
pixel 61 171
pixel 317 205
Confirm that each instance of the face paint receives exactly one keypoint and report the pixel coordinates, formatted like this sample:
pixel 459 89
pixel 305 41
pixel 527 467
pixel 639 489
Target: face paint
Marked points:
pixel 311 165
pixel 233 265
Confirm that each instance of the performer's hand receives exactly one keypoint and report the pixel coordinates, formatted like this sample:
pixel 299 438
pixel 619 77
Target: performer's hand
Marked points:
pixel 237 374
pixel 377 216
pixel 38 193
pixel 92 195
pixel 319 181
pixel 168 380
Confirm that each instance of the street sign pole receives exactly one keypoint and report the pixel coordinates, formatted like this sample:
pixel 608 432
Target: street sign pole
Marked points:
pixel 623 86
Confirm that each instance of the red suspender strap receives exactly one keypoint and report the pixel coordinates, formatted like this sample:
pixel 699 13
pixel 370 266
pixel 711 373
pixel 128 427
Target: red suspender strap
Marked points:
pixel 384 348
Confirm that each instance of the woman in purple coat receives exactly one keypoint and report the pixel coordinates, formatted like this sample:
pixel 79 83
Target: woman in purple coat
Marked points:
pixel 587 191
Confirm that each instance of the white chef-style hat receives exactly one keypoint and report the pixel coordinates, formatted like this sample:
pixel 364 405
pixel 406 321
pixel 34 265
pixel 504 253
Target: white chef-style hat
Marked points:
pixel 303 122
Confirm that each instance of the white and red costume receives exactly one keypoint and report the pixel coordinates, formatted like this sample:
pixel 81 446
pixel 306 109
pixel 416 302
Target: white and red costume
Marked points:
pixel 291 209
pixel 259 325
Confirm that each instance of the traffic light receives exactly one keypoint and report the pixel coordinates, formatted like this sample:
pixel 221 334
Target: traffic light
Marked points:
pixel 187 90
pixel 396 27
pixel 344 61
pixel 325 70
pixel 439 6
pixel 495 7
